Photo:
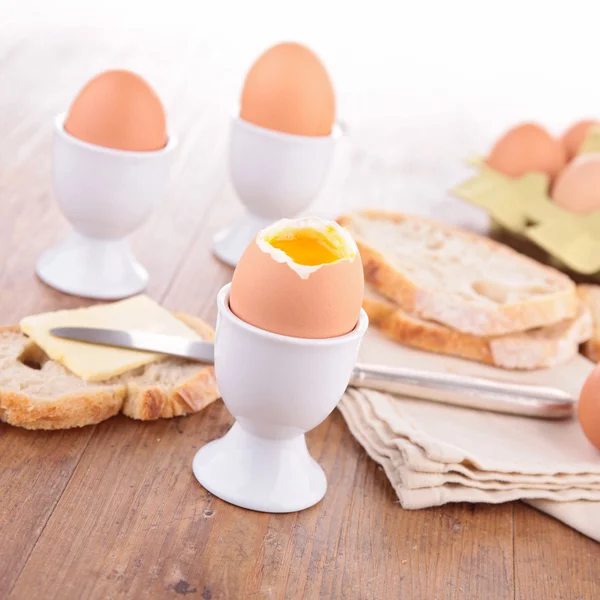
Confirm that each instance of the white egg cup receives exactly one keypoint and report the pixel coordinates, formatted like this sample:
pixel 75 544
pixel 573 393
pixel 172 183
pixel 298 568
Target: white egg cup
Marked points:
pixel 277 387
pixel 275 175
pixel 106 194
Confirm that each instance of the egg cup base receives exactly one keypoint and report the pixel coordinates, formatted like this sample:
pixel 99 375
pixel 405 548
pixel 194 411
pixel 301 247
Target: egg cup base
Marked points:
pixel 92 268
pixel 229 244
pixel 261 474
pixel 277 388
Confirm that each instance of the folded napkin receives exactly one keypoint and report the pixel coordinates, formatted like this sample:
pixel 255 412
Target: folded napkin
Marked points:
pixel 434 453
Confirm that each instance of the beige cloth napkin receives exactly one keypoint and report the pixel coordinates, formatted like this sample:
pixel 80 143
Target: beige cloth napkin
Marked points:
pixel 434 453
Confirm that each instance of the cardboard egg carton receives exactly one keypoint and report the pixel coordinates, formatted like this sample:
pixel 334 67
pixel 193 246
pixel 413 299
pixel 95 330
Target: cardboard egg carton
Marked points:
pixel 522 211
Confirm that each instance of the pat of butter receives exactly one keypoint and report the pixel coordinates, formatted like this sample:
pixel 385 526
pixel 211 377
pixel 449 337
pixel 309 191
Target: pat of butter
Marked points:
pixel 98 363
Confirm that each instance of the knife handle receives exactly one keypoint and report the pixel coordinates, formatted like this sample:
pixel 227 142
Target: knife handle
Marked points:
pixel 471 392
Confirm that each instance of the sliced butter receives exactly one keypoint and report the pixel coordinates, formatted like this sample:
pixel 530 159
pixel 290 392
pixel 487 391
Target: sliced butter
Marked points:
pixel 98 363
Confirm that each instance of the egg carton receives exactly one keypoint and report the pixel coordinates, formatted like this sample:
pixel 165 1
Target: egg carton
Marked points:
pixel 523 213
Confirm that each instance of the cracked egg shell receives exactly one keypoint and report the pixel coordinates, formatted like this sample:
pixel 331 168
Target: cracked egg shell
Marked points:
pixel 271 291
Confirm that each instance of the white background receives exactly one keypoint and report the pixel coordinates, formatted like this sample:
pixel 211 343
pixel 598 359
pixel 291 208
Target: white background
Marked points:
pixel 488 58
pixel 421 84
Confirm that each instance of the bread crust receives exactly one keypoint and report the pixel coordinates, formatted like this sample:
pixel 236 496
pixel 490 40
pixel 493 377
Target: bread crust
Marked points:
pixel 65 412
pixel 128 394
pixel 423 335
pixel 536 349
pixel 462 314
pixel 149 403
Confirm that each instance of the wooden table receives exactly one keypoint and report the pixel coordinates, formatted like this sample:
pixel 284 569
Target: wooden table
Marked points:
pixel 113 510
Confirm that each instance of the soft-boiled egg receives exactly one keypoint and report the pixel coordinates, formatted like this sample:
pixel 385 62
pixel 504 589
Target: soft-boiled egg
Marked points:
pixel 301 278
pixel 577 188
pixel 289 90
pixel 589 407
pixel 525 149
pixel 119 110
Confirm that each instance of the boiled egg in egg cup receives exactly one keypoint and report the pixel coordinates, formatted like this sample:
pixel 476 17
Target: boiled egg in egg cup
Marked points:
pixel 111 163
pixel 282 142
pixel 288 333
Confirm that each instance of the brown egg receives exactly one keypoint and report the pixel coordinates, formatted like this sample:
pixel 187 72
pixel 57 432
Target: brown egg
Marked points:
pixel 118 109
pixel 573 138
pixel 577 188
pixel 525 149
pixel 589 407
pixel 301 278
pixel 289 90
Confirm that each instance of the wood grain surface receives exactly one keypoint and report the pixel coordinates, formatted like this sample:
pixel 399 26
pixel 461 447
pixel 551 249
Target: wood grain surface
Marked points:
pixel 113 511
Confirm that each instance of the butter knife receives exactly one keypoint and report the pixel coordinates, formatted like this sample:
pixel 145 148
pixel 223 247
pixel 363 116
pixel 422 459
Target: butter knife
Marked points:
pixel 448 388
pixel 141 340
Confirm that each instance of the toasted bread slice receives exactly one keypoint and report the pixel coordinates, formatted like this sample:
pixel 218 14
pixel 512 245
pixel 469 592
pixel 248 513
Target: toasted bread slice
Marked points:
pixel 534 349
pixel 39 393
pixel 458 279
pixel 590 295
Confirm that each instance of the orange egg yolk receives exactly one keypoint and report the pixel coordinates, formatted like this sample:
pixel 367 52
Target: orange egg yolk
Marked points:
pixel 308 246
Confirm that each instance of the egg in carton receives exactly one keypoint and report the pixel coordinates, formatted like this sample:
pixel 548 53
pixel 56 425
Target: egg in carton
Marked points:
pixel 543 195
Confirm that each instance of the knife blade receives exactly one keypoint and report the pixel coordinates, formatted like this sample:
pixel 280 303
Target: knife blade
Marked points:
pixel 141 340
pixel 448 388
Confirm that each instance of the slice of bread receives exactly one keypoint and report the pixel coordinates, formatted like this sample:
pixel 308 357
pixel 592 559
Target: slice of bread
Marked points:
pixel 534 349
pixel 590 295
pixel 459 279
pixel 38 393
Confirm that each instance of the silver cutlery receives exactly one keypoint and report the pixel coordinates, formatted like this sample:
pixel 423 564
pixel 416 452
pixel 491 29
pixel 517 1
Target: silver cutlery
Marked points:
pixel 448 388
